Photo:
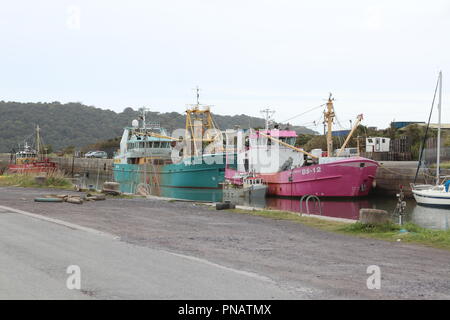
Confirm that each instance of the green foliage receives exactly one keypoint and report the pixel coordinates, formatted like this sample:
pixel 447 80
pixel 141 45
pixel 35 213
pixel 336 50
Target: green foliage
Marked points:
pixel 103 145
pixel 75 124
pixel 369 228
pixel 48 148
pixel 54 180
pixel 303 139
pixel 69 150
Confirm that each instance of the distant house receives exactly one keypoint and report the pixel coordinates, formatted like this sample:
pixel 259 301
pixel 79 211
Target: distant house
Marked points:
pixel 377 144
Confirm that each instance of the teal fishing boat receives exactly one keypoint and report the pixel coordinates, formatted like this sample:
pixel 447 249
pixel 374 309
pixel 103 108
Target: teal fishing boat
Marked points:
pixel 149 162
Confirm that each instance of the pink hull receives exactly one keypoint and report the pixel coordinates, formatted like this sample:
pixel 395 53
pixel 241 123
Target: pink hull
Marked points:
pixel 350 177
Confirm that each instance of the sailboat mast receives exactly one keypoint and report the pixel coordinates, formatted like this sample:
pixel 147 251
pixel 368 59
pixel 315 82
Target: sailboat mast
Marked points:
pixel 438 147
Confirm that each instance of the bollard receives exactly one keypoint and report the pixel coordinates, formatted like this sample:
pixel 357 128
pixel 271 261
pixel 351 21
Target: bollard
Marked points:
pixel 373 216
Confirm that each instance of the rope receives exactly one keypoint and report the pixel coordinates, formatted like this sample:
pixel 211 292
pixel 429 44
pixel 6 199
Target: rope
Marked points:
pixel 314 108
pixel 402 174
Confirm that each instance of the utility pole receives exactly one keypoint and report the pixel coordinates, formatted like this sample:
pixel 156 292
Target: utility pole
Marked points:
pixel 267 116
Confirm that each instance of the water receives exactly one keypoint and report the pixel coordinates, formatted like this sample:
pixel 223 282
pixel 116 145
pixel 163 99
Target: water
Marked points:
pixel 430 218
pixel 92 180
pixel 426 217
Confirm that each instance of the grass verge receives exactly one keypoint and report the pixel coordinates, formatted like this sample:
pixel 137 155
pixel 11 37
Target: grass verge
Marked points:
pixel 388 232
pixel 55 179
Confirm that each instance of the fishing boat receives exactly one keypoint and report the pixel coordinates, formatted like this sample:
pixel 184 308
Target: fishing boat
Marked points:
pixel 437 194
pixel 249 188
pixel 31 159
pixel 150 161
pixel 293 172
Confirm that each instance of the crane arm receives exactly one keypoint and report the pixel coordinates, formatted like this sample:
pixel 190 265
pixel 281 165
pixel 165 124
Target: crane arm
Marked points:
pixel 288 145
pixel 358 121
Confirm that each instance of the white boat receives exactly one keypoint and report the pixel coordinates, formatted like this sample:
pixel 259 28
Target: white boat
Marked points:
pixel 434 195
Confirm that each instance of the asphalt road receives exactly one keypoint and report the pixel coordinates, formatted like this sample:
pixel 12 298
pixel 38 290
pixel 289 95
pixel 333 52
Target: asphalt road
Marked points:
pixel 35 255
pixel 229 255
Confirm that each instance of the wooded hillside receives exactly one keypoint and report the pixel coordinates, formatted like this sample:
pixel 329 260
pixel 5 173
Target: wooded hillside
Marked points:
pixel 75 124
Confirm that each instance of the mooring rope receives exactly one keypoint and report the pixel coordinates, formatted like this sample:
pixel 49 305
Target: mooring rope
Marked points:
pixel 402 174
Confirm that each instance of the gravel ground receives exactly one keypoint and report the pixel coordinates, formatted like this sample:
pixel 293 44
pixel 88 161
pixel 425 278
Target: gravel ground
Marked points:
pixel 322 265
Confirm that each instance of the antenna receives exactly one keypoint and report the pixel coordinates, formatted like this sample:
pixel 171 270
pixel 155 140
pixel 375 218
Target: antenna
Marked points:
pixel 267 113
pixel 197 90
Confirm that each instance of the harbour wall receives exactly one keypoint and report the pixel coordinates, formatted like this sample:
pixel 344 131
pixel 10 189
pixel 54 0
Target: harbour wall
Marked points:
pixel 393 174
pixel 70 165
pixel 390 175
pixel 82 166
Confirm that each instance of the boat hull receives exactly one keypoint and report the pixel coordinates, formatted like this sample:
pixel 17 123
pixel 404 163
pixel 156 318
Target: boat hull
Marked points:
pixel 254 192
pixel 349 177
pixel 197 181
pixel 432 198
pixel 35 167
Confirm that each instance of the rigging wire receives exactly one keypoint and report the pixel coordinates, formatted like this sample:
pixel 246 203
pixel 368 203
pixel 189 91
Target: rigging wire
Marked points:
pixel 311 109
pixel 426 132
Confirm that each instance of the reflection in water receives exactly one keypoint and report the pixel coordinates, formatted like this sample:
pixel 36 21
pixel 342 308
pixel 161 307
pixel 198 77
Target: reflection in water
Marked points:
pixel 331 208
pixel 426 217
pixel 431 218
pixel 208 195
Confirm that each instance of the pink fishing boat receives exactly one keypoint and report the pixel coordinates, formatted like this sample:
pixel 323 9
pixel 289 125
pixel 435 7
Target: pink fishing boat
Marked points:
pixel 292 172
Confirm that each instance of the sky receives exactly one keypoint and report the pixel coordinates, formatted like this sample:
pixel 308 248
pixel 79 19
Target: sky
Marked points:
pixel 379 58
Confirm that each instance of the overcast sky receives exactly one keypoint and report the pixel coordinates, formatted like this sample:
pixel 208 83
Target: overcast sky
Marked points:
pixel 379 58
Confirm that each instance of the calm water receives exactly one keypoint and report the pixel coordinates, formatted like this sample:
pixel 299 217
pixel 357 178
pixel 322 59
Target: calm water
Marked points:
pixel 431 218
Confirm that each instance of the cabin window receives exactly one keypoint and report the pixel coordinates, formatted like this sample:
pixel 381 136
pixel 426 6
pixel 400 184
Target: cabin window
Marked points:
pixel 156 144
pixel 370 140
pixel 383 140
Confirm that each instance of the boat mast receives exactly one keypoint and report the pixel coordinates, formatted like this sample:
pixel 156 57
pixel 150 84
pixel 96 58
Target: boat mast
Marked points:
pixel 199 122
pixel 38 141
pixel 329 117
pixel 144 110
pixel 438 156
